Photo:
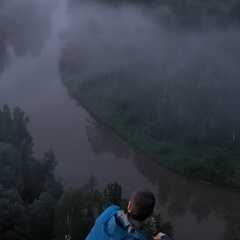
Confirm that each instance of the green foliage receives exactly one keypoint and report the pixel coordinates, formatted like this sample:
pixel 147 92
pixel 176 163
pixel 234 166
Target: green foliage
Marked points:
pixel 154 225
pixel 5 124
pixel 53 187
pixel 232 231
pixel 181 114
pixel 178 118
pixel 28 188
pixel 41 216
pixel 9 156
pixel 32 202
pixel 92 194
pixel 151 228
pixel 49 162
pixel 13 129
pixel 12 215
pixel 9 178
pixel 21 136
pixel 112 194
pixel 70 215
pixel 77 210
pixel 202 155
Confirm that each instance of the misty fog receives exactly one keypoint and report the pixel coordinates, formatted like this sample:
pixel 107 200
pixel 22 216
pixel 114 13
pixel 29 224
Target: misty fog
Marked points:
pixel 122 42
pixel 130 39
pixel 140 43
pixel 24 26
pixel 185 61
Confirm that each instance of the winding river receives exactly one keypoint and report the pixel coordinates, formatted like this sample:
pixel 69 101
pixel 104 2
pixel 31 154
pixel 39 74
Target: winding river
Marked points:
pixel 30 79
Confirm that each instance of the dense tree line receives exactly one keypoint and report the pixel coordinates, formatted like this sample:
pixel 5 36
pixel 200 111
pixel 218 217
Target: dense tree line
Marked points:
pixel 33 204
pixel 78 208
pixel 28 187
pixel 171 92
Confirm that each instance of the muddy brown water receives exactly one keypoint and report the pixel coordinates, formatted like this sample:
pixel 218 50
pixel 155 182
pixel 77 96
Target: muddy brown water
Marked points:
pixel 83 147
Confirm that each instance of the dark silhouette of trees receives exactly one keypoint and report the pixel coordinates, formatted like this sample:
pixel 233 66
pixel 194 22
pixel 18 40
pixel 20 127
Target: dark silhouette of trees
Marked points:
pixel 173 96
pixel 28 187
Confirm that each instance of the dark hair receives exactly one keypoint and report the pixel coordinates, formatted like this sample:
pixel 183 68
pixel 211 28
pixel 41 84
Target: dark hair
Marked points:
pixel 143 202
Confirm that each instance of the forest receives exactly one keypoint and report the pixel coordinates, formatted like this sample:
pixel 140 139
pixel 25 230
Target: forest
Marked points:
pixel 167 84
pixel 33 203
pixel 163 76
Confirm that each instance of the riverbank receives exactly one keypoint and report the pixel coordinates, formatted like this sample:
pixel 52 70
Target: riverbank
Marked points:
pixel 195 160
pixel 169 99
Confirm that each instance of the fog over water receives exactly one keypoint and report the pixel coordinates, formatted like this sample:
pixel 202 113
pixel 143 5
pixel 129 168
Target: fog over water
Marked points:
pixel 29 78
pixel 128 38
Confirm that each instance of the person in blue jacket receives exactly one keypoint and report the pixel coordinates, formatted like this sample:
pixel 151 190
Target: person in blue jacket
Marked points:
pixel 116 224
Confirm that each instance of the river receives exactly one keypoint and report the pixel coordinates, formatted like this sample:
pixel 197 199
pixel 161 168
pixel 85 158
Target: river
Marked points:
pixel 30 79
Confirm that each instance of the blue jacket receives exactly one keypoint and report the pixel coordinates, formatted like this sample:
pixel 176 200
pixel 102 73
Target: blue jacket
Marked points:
pixel 113 224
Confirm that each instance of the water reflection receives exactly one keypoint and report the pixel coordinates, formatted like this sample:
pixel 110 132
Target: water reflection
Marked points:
pixel 24 25
pixel 180 198
pixel 102 141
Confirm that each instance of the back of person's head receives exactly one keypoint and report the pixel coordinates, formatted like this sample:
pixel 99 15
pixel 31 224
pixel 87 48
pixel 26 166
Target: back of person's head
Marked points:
pixel 142 204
